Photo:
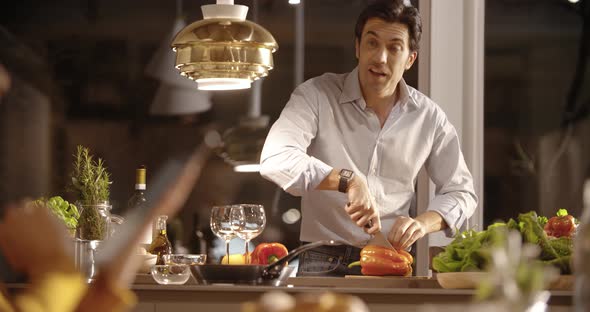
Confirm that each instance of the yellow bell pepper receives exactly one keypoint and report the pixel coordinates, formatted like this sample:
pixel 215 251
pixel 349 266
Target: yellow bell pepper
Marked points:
pixel 234 259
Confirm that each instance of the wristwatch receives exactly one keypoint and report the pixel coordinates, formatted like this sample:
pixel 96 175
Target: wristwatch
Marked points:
pixel 345 177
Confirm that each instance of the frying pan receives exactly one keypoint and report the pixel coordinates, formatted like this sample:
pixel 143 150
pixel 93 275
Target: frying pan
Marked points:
pixel 275 274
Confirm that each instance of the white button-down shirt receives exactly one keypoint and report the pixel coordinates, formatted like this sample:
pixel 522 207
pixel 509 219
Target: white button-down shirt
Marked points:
pixel 326 124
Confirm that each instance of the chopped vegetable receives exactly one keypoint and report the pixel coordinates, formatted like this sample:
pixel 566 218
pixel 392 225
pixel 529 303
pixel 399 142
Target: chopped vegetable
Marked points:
pixel 379 261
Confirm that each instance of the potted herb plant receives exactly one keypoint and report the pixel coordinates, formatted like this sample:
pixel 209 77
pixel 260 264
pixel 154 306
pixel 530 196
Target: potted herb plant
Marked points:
pixel 90 181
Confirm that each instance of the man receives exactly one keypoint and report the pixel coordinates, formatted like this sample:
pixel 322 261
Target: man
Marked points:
pixel 351 146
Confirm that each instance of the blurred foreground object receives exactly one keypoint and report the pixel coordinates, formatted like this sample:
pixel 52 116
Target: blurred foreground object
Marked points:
pixel 581 254
pixel 278 301
pixel 516 280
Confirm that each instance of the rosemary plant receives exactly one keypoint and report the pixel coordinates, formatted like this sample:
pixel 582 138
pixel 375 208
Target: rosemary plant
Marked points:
pixel 90 183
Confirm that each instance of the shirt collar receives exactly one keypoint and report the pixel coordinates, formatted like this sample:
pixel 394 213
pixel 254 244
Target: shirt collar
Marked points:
pixel 352 88
pixel 352 91
pixel 406 99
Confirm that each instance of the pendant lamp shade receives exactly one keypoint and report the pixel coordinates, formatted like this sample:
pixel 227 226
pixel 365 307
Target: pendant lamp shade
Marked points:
pixel 224 51
pixel 176 95
pixel 173 100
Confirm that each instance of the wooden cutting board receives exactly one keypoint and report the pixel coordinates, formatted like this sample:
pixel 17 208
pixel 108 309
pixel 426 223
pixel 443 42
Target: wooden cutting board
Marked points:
pixel 359 281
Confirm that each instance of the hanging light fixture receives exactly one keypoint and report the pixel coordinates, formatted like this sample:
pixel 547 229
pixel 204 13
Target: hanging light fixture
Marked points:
pixel 224 51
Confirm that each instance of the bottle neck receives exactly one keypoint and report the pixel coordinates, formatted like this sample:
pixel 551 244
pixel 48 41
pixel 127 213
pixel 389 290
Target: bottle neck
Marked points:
pixel 140 178
pixel 161 224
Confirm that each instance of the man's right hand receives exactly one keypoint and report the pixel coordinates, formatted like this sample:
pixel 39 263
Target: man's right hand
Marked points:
pixel 361 206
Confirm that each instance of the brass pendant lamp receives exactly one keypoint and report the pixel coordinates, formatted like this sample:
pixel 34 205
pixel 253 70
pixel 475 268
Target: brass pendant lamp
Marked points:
pixel 224 51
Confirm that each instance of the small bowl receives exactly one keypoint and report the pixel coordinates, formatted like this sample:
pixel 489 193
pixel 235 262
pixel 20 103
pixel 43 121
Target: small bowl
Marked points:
pixel 147 261
pixel 171 274
pixel 190 259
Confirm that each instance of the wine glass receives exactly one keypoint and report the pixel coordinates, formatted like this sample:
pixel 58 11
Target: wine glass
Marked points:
pixel 222 226
pixel 249 221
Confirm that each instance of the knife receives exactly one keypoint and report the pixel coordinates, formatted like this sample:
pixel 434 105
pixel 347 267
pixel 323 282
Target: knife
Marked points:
pixel 378 238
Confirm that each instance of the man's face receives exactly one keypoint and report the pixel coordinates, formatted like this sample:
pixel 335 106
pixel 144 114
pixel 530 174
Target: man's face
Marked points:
pixel 383 54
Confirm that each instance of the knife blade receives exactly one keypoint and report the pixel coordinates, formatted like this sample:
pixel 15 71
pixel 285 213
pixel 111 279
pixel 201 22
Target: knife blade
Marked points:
pixel 378 238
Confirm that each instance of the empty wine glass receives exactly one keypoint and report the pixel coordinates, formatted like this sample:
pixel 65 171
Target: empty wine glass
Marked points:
pixel 222 226
pixel 249 221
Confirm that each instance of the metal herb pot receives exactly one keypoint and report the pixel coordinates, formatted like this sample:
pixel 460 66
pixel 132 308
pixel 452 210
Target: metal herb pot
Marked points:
pixel 96 224
pixel 275 274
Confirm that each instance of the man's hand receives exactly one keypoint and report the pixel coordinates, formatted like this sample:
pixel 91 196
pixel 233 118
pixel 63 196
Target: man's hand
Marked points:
pixel 405 232
pixel 361 207
pixel 33 240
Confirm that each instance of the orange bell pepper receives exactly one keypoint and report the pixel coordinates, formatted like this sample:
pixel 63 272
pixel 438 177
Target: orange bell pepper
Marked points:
pixel 377 260
pixel 267 253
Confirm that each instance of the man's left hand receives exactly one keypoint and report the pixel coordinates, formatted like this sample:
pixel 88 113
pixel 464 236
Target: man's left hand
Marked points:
pixel 405 232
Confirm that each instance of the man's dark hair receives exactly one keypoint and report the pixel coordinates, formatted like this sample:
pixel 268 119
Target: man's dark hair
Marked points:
pixel 392 11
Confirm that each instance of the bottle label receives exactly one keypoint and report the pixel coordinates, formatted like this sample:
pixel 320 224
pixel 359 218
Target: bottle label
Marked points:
pixel 140 187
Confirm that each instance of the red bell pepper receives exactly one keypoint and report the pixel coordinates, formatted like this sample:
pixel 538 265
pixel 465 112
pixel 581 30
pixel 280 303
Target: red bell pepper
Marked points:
pixel 377 260
pixel 266 253
pixel 563 224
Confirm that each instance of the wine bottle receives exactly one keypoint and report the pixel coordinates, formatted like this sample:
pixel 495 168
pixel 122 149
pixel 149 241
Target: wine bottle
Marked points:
pixel 160 245
pixel 137 201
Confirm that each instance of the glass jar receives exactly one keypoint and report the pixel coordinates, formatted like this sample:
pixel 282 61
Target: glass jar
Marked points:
pixel 94 221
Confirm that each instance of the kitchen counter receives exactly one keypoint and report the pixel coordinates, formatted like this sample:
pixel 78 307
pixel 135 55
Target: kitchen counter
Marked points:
pixel 229 297
pixel 420 292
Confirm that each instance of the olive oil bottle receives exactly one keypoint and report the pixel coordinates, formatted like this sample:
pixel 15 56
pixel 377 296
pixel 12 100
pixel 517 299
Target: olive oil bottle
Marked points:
pixel 160 245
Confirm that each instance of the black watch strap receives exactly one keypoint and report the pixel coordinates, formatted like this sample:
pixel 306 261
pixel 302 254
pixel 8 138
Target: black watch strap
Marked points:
pixel 345 177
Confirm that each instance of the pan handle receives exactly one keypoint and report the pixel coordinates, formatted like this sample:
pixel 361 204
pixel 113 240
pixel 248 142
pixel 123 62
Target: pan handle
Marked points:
pixel 295 252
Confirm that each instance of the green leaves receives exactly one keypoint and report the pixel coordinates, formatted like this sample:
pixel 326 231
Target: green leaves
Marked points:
pixel 91 183
pixel 90 179
pixel 562 213
pixel 465 253
pixel 64 210
pixel 470 249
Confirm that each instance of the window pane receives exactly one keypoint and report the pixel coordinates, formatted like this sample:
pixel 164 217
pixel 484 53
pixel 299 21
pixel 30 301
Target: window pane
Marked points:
pixel 537 95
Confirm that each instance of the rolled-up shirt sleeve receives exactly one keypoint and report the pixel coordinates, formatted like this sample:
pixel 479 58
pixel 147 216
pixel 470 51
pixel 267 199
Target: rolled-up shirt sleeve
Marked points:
pixel 455 199
pixel 284 158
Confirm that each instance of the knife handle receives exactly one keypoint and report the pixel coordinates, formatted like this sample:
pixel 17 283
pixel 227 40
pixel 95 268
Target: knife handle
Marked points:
pixel 369 224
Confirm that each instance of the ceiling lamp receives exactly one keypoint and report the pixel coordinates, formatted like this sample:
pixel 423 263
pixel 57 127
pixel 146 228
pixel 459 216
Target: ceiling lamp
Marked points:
pixel 224 51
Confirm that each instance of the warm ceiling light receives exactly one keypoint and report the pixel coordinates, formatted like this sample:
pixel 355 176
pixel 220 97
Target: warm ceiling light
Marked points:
pixel 224 51
pixel 294 1
pixel 247 168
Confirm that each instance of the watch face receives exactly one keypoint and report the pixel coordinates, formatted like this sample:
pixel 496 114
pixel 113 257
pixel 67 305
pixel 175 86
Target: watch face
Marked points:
pixel 346 173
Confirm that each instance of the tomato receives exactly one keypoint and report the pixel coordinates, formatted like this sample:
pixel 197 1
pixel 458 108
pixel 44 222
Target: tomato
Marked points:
pixel 559 226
